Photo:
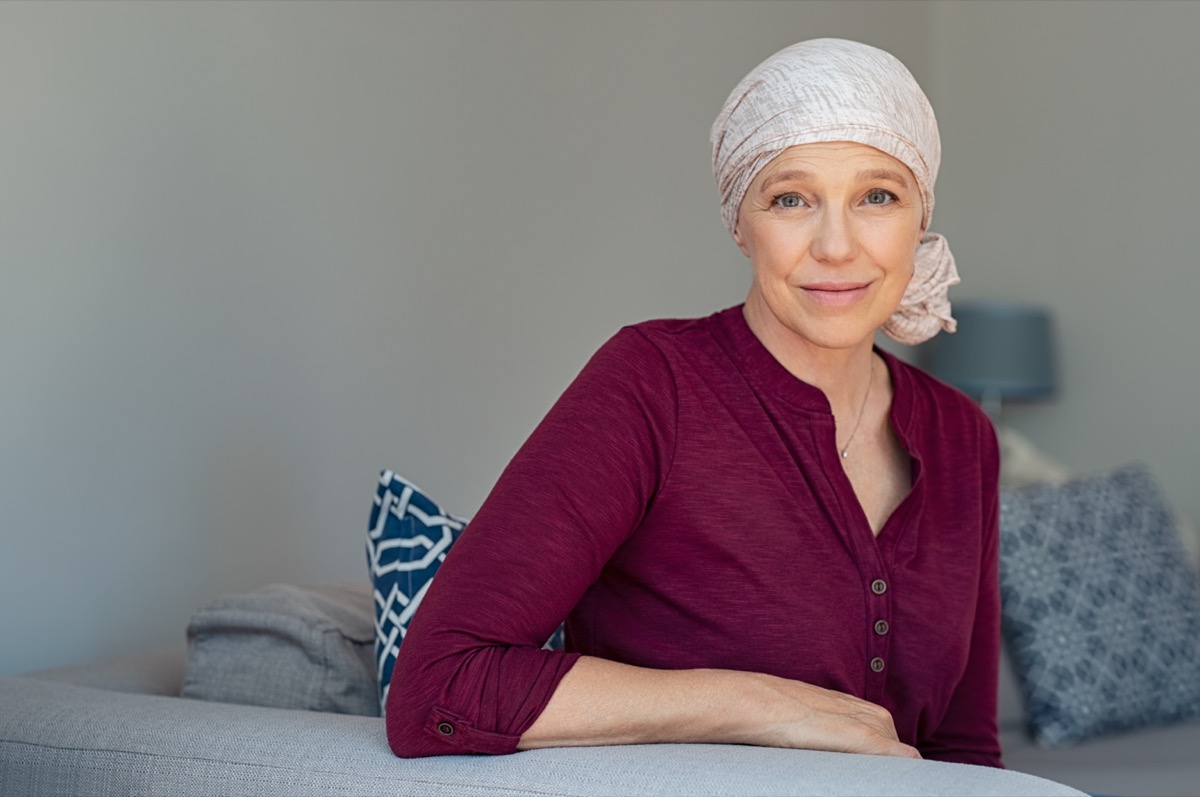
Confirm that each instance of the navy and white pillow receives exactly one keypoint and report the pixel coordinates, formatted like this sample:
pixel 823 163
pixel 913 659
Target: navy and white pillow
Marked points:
pixel 407 541
pixel 1101 608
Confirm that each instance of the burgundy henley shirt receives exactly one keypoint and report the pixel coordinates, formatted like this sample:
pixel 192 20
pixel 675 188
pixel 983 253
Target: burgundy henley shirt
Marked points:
pixel 682 505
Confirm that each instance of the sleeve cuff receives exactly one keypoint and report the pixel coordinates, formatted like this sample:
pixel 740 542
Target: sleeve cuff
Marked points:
pixel 453 730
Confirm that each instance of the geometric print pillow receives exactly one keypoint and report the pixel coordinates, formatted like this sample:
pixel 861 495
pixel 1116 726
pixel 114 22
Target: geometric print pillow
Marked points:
pixel 1100 606
pixel 407 540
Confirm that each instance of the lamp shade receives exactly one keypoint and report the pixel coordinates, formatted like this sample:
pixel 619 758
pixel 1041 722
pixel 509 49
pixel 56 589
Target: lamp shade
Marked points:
pixel 1001 351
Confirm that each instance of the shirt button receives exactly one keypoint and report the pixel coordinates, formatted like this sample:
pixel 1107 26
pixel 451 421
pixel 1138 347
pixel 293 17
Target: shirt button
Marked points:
pixel 445 729
pixel 877 664
pixel 881 627
pixel 879 586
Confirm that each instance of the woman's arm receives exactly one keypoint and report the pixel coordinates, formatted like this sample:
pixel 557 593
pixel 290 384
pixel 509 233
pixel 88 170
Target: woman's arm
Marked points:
pixel 602 702
pixel 470 676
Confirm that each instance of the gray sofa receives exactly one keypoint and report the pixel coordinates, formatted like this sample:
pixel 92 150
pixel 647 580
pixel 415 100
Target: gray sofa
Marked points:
pixel 138 726
pixel 120 728
pixel 270 695
pixel 1150 762
pixel 1126 558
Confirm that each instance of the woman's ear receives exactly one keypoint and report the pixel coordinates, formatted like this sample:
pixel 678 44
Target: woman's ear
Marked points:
pixel 737 239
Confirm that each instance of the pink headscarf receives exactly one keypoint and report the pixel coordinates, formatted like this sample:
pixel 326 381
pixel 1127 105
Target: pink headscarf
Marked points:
pixel 836 90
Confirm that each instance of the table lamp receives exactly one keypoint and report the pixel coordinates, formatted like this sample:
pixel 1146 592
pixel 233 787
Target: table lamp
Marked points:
pixel 1002 351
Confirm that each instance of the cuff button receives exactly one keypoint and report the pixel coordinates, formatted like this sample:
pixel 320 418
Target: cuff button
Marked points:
pixel 445 729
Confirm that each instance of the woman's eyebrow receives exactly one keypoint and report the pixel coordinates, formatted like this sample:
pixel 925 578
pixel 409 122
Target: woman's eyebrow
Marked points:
pixel 787 176
pixel 868 175
pixel 883 174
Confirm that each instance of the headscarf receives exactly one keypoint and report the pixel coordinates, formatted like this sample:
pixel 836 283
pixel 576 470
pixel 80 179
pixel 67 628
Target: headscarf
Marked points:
pixel 826 90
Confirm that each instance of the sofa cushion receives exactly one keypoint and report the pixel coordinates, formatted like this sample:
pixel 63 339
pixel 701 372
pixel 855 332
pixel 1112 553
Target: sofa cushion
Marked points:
pixel 285 646
pixel 1101 609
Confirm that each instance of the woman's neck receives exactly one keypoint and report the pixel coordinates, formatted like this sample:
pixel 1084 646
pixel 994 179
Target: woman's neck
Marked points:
pixel 842 374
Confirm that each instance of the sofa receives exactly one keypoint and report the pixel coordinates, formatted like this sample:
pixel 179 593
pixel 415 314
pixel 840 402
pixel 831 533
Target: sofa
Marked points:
pixel 278 690
pixel 1157 761
pixel 124 726
pixel 120 727
pixel 1100 589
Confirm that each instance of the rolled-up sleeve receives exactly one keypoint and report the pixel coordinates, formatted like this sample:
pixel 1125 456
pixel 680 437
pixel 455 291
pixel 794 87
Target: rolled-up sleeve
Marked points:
pixel 471 675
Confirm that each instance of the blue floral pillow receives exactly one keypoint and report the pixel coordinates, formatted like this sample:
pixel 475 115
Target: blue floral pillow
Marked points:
pixel 407 541
pixel 1101 608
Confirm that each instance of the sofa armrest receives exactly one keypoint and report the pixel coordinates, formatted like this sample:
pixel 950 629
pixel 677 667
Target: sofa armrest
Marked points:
pixel 57 738
pixel 158 672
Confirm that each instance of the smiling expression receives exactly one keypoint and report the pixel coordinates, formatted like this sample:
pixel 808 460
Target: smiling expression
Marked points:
pixel 831 230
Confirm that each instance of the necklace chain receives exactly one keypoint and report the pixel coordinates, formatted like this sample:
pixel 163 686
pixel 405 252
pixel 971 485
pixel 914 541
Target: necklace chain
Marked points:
pixel 845 452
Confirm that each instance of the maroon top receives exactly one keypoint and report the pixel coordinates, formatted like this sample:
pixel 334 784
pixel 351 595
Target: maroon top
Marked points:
pixel 683 506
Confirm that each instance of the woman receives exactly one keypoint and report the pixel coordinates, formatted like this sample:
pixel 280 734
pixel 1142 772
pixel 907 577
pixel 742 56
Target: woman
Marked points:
pixel 760 528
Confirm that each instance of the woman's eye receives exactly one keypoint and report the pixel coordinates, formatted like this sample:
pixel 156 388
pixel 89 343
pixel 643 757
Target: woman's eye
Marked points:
pixel 880 197
pixel 789 201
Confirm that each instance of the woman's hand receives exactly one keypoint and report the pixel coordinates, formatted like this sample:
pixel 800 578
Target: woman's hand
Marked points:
pixel 602 702
pixel 810 717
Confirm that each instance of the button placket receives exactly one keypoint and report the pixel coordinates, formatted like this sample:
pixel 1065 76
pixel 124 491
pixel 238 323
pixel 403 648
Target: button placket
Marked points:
pixel 880 627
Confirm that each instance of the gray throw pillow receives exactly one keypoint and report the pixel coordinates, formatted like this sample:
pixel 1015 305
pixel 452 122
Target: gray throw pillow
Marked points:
pixel 285 646
pixel 1101 608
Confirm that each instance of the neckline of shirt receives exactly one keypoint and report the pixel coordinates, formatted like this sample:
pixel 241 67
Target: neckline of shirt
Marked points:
pixel 770 375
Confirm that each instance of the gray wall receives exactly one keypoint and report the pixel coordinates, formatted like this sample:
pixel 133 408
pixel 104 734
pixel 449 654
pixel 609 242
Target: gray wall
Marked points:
pixel 252 253
pixel 1069 177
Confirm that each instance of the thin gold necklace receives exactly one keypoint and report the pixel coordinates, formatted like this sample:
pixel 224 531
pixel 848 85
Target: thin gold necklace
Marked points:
pixel 870 378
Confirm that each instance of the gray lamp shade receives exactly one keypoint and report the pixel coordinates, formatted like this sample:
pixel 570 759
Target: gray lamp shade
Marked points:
pixel 1001 351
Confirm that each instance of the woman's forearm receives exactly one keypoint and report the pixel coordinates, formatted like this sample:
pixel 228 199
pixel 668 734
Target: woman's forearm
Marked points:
pixel 602 702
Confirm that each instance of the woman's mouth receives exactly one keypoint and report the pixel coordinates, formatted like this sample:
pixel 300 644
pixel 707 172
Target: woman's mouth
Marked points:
pixel 835 294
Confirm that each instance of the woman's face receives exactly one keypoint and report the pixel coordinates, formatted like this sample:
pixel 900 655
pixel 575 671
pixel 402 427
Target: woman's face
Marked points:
pixel 831 230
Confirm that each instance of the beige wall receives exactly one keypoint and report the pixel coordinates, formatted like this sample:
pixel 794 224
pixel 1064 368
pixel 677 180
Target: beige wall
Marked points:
pixel 252 253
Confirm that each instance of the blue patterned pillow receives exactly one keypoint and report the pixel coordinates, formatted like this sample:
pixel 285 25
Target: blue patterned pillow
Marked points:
pixel 407 541
pixel 1101 609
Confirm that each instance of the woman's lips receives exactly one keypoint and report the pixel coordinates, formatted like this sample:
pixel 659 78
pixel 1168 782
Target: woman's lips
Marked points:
pixel 836 294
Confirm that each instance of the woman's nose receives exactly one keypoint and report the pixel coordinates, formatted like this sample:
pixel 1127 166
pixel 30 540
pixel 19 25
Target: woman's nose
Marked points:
pixel 833 239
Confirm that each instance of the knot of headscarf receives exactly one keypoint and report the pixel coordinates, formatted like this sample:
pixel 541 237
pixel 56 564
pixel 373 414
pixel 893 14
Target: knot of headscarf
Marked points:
pixel 827 90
